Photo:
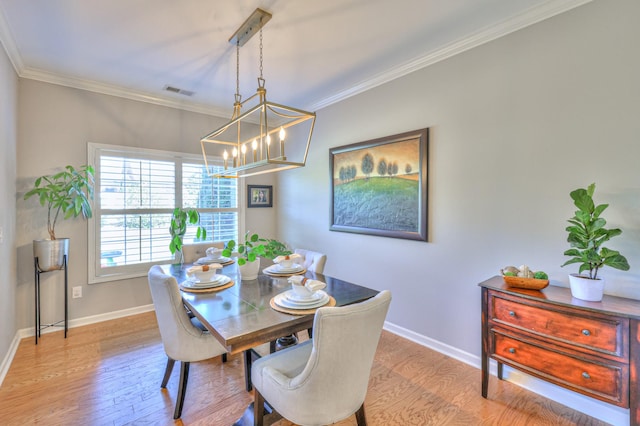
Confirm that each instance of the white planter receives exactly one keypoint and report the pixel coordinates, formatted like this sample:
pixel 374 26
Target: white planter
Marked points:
pixel 50 253
pixel 249 271
pixel 585 288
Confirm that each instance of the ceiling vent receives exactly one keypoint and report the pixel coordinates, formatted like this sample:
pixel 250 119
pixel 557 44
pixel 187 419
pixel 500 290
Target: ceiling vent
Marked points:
pixel 178 90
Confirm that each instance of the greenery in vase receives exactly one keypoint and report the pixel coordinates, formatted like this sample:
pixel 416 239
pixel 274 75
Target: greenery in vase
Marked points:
pixel 68 193
pixel 255 246
pixel 179 221
pixel 587 234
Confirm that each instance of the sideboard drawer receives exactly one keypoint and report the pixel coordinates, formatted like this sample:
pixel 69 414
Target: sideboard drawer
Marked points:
pixel 592 333
pixel 604 381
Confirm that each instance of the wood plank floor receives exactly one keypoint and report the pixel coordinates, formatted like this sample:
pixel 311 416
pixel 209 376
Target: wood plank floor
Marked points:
pixel 109 374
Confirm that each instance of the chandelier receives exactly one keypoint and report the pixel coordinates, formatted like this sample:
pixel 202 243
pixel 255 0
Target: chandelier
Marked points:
pixel 267 137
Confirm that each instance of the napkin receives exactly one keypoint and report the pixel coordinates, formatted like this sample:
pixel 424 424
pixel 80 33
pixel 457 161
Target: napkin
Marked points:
pixel 293 257
pixel 199 268
pixel 311 285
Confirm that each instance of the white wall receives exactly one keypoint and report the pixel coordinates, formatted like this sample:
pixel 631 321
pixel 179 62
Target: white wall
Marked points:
pixel 515 125
pixel 8 142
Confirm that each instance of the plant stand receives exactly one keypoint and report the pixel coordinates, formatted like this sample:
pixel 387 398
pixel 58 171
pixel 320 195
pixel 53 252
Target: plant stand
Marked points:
pixel 38 326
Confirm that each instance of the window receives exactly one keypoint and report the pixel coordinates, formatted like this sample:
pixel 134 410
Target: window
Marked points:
pixel 136 191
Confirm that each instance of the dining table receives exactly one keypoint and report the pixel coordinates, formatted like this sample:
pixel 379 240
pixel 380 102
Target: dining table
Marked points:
pixel 241 314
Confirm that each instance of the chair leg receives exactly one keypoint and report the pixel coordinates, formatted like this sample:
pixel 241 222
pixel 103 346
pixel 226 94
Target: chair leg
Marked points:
pixel 361 419
pixel 182 388
pixel 248 359
pixel 258 408
pixel 167 372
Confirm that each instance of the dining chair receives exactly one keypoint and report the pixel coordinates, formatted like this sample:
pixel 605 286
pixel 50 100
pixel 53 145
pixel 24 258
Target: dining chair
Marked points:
pixel 193 252
pixel 182 338
pixel 313 261
pixel 323 380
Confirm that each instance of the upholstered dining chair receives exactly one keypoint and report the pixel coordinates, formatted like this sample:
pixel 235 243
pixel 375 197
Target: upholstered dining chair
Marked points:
pixel 193 252
pixel 323 380
pixel 313 261
pixel 182 339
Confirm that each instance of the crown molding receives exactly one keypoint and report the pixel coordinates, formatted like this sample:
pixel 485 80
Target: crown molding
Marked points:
pixel 7 41
pixel 515 23
pixel 532 16
pixel 121 92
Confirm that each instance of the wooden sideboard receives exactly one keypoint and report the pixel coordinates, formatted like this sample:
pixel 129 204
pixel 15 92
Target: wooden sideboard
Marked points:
pixel 589 347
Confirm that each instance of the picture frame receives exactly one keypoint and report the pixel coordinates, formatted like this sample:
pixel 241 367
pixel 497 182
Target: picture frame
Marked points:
pixel 380 187
pixel 259 196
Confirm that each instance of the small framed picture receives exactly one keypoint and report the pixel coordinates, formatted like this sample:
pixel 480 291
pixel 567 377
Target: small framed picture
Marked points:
pixel 259 196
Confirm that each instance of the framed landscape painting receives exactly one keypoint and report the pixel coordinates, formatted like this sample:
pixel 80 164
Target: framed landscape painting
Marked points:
pixel 379 187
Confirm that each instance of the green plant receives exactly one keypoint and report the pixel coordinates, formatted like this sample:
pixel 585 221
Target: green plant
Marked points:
pixel 254 246
pixel 178 227
pixel 587 234
pixel 68 192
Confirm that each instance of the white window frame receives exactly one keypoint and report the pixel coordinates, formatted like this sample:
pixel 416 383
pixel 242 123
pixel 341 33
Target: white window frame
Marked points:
pixel 96 275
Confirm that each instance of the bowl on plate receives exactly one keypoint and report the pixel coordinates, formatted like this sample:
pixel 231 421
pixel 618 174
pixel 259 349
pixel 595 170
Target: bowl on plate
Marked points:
pixel 287 262
pixel 305 288
pixel 301 291
pixel 202 273
pixel 213 253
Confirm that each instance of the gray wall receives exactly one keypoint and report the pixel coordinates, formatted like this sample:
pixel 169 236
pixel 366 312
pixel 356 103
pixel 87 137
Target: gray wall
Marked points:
pixel 516 124
pixel 8 143
pixel 56 123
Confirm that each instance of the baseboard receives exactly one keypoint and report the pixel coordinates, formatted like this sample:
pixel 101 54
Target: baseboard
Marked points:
pixel 30 332
pixel 8 359
pixel 590 406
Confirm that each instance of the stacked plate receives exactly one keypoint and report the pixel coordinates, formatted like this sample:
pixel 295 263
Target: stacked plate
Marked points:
pixel 210 260
pixel 277 269
pixel 217 281
pixel 291 300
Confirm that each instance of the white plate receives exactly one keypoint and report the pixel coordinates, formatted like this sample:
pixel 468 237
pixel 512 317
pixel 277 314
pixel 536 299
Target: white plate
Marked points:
pixel 294 297
pixel 216 282
pixel 281 300
pixel 208 260
pixel 277 269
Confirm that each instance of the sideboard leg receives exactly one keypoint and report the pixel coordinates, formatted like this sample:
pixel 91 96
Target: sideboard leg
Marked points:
pixel 485 344
pixel 634 382
pixel 500 370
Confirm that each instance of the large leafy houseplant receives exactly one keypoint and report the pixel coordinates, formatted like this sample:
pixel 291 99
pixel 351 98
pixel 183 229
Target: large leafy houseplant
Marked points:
pixel 65 194
pixel 179 221
pixel 587 234
pixel 254 246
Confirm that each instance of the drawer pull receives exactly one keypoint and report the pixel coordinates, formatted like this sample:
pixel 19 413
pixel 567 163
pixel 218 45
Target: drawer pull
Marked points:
pixel 512 350
pixel 586 332
pixel 586 375
pixel 512 314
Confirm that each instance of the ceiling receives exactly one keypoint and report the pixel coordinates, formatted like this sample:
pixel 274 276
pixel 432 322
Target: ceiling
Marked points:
pixel 315 52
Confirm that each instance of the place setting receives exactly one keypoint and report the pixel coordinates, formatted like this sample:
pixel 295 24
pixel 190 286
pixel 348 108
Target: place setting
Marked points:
pixel 304 297
pixel 214 255
pixel 285 266
pixel 205 279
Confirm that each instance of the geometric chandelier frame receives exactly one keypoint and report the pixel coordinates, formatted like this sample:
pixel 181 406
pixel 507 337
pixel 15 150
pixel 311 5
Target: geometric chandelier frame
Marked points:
pixel 268 137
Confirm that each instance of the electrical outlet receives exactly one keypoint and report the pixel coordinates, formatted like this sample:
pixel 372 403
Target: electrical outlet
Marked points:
pixel 77 292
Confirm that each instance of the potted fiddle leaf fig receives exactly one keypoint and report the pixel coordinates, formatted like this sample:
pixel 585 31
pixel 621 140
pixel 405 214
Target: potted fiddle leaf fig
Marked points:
pixel 179 221
pixel 586 235
pixel 66 194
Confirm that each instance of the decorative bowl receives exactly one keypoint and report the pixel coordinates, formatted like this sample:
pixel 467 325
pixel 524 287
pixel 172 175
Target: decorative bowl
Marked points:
pixel 529 283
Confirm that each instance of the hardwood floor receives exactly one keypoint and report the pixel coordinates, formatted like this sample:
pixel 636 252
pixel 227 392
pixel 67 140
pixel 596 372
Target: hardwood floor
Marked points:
pixel 109 374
